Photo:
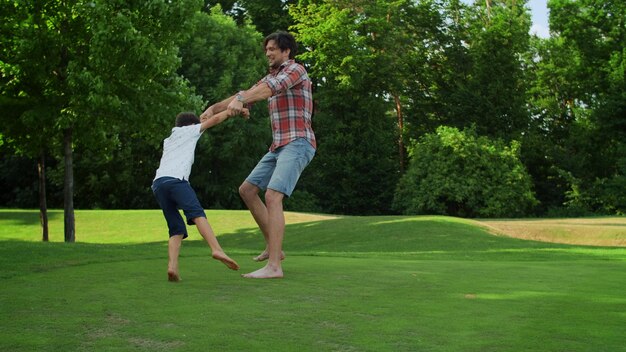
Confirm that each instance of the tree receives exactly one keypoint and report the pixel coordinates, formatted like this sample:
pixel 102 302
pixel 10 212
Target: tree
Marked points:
pixel 84 71
pixel 348 46
pixel 268 16
pixel 595 32
pixel 575 148
pixel 356 167
pixel 552 104
pixel 495 94
pixel 440 69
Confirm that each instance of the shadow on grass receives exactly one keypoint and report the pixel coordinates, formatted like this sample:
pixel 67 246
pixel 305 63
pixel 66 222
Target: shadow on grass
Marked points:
pixel 405 238
pixel 19 257
pixel 26 217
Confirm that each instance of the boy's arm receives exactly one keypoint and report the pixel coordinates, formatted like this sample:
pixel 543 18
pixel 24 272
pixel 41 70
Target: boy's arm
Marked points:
pixel 218 107
pixel 209 121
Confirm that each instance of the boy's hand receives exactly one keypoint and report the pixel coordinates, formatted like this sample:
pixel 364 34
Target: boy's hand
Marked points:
pixel 244 112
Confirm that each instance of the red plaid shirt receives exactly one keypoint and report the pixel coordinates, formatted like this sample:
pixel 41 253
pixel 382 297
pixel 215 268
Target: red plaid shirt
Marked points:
pixel 290 105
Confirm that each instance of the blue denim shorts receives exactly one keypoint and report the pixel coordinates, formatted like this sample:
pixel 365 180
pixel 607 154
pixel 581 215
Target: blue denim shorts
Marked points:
pixel 173 194
pixel 280 170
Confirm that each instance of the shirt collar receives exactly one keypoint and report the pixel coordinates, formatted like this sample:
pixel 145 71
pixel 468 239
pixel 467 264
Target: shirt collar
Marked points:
pixel 274 71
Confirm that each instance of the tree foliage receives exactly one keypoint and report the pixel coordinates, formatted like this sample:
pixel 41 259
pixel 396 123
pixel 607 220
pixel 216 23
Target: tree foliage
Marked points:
pixel 113 75
pixel 575 147
pixel 267 16
pixel 356 166
pixel 347 49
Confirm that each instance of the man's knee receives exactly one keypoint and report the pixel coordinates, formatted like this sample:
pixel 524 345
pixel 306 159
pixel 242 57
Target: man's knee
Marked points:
pixel 247 190
pixel 273 197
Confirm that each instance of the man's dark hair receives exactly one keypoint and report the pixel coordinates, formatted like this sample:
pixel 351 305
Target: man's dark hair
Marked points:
pixel 284 41
pixel 186 119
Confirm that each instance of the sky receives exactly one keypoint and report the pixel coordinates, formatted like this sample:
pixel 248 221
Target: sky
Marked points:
pixel 539 13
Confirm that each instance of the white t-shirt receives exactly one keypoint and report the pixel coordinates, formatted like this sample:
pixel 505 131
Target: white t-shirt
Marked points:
pixel 178 152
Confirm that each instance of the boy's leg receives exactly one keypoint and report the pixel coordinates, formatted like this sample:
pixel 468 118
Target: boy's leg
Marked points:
pixel 187 200
pixel 173 249
pixel 217 252
pixel 177 230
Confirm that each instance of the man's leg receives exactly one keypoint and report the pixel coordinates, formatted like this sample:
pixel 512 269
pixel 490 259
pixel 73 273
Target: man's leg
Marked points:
pixel 217 252
pixel 275 226
pixel 173 250
pixel 250 195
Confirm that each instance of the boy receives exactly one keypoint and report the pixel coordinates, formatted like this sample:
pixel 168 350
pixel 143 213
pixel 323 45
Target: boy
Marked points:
pixel 172 189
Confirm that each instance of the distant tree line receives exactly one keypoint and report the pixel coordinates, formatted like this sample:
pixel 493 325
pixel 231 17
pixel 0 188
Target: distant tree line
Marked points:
pixel 431 106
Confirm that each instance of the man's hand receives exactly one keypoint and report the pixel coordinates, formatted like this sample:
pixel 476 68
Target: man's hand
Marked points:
pixel 235 107
pixel 207 113
pixel 237 104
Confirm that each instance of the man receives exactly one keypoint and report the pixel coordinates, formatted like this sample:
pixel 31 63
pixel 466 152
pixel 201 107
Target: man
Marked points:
pixel 288 90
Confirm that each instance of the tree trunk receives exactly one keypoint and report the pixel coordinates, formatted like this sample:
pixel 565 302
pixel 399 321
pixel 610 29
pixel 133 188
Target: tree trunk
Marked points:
pixel 400 129
pixel 43 207
pixel 68 189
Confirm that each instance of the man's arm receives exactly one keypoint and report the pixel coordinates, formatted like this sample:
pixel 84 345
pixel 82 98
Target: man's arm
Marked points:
pixel 218 107
pixel 252 95
pixel 209 121
pixel 259 92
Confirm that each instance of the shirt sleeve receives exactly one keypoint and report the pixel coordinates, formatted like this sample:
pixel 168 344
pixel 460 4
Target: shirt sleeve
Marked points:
pixel 191 131
pixel 287 78
pixel 196 130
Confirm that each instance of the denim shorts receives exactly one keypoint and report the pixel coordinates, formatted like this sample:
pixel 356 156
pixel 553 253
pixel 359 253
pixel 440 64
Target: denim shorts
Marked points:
pixel 280 169
pixel 173 194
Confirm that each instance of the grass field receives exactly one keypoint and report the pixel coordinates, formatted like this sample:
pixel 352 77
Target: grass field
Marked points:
pixel 351 284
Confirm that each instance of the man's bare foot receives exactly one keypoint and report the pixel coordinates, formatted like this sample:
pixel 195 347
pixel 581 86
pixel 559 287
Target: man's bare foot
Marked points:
pixel 222 257
pixel 265 256
pixel 172 276
pixel 265 273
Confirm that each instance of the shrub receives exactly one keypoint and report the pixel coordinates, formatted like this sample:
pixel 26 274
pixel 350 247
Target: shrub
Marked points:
pixel 459 173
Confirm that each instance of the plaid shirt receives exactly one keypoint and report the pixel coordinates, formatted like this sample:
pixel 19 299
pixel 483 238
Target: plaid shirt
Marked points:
pixel 290 105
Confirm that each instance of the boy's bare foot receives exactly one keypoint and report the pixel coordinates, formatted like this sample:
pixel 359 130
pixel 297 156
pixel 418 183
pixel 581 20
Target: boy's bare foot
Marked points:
pixel 172 276
pixel 265 256
pixel 222 257
pixel 265 273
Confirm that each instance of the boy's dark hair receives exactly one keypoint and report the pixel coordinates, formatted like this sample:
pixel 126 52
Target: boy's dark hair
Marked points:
pixel 186 119
pixel 284 41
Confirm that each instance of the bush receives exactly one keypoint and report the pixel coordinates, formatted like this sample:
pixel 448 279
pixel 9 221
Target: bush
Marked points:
pixel 459 173
pixel 603 196
pixel 302 201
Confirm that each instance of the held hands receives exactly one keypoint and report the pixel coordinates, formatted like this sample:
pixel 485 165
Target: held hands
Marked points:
pixel 236 105
pixel 208 113
pixel 244 112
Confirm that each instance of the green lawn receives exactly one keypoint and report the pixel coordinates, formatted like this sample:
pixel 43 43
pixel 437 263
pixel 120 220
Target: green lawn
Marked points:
pixel 351 284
